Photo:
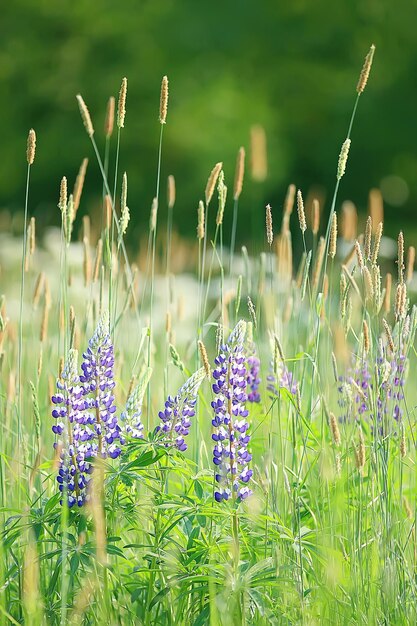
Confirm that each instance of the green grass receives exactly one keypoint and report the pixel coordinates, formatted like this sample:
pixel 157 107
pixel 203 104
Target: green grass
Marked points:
pixel 328 535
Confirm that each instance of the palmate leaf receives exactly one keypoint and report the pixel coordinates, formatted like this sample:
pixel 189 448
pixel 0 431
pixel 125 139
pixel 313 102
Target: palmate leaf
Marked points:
pixel 146 458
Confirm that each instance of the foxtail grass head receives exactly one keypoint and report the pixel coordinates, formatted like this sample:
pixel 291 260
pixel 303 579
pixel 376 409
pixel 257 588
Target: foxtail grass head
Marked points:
pixel 109 121
pixel 343 157
pixel 85 116
pixel 31 147
pixel 121 104
pixel 239 173
pixel 163 103
pixel 366 69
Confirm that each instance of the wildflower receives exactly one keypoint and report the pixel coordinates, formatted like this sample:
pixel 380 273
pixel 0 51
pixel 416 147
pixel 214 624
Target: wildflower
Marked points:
pixel 281 379
pixel 98 383
pixel 86 414
pixel 74 467
pixel 230 454
pixel 253 379
pixel 178 411
pixel 253 371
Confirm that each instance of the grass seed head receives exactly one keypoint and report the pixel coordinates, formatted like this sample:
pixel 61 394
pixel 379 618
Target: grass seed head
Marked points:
pixel 154 215
pixel 334 427
pixel 364 75
pixel 31 147
pixel 368 238
pixel 377 243
pixel 349 221
pixel 171 191
pixel 403 445
pixel 204 358
pixel 315 221
pixel 109 121
pixel 343 294
pixel 387 292
pixel 366 337
pixel 97 261
pixel 321 248
pixel 85 116
pixel 400 259
pixel 38 289
pixel 388 335
pixel 121 104
pixel 269 229
pixel 63 195
pixel 376 280
pixel 360 452
pixel 258 160
pixel 163 101
pixel 401 301
pixel 239 173
pixel 343 157
pixel 212 180
pixel 200 221
pixel 376 207
pixel 333 236
pixel 369 285
pixel 222 195
pixel 79 184
pixel 359 255
pixel 301 212
pixel 44 323
pixel 411 257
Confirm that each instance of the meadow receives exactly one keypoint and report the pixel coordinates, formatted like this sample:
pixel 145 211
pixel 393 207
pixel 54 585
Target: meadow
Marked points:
pixel 195 434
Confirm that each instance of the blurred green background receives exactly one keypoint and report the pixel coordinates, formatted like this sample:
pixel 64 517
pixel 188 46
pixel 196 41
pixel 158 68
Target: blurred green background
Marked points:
pixel 291 67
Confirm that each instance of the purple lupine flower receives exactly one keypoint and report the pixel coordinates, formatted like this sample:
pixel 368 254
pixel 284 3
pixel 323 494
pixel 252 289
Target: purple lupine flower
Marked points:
pixel 399 370
pixel 74 467
pixel 386 382
pixel 354 389
pixel 253 377
pixel 282 379
pixel 362 377
pixel 397 384
pixel 98 383
pixel 86 414
pixel 383 384
pixel 178 411
pixel 230 454
pixel 132 414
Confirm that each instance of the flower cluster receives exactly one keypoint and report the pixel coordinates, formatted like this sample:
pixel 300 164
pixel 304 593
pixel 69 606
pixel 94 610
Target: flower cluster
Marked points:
pixel 230 454
pixel 98 382
pixel 74 467
pixel 86 414
pixel 282 379
pixel 354 390
pixel 178 411
pixel 386 381
pixel 253 373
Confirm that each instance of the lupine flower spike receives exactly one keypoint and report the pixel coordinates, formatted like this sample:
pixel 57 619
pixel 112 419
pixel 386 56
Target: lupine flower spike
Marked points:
pixel 74 467
pixel 131 416
pixel 178 411
pixel 230 454
pixel 253 370
pixel 98 380
pixel 86 414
